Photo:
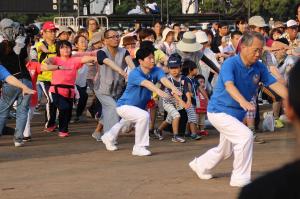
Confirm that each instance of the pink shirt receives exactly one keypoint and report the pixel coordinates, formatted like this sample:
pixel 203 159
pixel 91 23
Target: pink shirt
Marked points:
pixel 67 76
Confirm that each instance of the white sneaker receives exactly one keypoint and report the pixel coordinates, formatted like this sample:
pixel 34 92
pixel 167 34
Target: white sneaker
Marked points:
pixel 19 144
pixel 140 151
pixel 239 184
pixel 108 144
pixel 201 174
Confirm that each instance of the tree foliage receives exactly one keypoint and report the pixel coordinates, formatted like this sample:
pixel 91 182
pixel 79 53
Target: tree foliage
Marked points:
pixel 278 9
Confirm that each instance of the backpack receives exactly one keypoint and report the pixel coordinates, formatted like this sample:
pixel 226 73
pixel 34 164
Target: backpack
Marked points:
pixel 43 54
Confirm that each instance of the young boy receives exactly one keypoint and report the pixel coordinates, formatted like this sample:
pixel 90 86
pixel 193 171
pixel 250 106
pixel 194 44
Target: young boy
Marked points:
pixel 132 104
pixel 174 104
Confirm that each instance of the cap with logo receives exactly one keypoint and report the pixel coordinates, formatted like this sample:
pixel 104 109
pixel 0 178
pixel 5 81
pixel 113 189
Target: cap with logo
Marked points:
pixel 174 61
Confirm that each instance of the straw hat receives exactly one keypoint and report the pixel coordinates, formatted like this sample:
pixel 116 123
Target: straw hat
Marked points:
pixel 189 43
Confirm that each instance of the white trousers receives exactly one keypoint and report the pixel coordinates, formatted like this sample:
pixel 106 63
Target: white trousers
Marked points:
pixel 27 131
pixel 234 137
pixel 132 114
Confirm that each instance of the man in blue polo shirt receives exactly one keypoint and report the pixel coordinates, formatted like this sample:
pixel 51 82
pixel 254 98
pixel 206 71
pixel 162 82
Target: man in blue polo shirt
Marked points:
pixel 236 85
pixel 131 107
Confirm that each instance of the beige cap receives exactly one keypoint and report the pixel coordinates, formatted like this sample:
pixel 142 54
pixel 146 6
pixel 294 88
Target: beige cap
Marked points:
pixel 62 29
pixel 97 36
pixel 257 21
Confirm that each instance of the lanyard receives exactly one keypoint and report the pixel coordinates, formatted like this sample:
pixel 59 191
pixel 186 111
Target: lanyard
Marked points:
pixel 179 82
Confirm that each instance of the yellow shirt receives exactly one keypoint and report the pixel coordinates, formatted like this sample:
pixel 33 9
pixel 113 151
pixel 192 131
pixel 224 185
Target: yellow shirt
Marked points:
pixel 158 56
pixel 46 75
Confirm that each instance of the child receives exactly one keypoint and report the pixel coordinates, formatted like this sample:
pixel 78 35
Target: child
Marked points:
pixel 173 105
pixel 63 82
pixel 189 69
pixel 132 104
pixel 201 103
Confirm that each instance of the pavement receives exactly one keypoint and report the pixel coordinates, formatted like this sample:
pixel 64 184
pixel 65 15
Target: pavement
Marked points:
pixel 78 167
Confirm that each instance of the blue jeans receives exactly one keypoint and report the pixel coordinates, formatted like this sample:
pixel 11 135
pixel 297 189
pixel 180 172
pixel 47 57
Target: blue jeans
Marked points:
pixel 9 95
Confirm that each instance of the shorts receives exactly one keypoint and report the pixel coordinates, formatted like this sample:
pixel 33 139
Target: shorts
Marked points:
pixel 192 116
pixel 172 112
pixel 252 114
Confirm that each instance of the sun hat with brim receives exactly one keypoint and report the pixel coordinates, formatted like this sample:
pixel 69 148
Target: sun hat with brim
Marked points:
pixel 257 21
pixel 201 37
pixel 165 33
pixel 63 29
pixel 97 36
pixel 189 43
pixel 291 23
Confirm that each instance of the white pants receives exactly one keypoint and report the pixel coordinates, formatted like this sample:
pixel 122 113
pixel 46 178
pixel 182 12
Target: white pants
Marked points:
pixel 27 131
pixel 234 137
pixel 132 114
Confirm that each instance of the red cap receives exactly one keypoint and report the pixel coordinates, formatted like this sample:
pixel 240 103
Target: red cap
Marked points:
pixel 49 25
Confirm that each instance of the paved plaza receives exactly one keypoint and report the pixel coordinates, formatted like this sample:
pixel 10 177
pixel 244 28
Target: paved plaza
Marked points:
pixel 79 167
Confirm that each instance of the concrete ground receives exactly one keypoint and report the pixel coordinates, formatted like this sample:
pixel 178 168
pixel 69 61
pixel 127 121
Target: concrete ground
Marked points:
pixel 79 167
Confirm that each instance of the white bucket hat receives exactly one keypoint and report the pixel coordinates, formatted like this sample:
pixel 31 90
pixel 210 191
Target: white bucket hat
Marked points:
pixel 165 33
pixel 201 37
pixel 189 43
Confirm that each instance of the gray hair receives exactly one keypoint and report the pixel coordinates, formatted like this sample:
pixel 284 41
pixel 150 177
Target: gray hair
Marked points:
pixel 247 38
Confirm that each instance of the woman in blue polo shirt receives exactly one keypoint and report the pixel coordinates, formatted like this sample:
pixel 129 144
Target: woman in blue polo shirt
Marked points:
pixel 131 107
pixel 236 85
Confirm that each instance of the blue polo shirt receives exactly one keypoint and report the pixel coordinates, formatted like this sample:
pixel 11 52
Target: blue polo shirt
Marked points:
pixel 3 73
pixel 135 94
pixel 246 81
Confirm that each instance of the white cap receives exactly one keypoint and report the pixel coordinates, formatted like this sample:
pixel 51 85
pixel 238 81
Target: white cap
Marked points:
pixel 201 37
pixel 291 23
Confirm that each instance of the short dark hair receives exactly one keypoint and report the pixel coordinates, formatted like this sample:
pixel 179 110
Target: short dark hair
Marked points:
pixel 146 33
pixel 142 53
pixel 222 24
pixel 199 76
pixel 293 88
pixel 187 66
pixel 176 24
pixel 76 39
pixel 236 32
pixel 61 44
pixel 240 20
pixel 105 34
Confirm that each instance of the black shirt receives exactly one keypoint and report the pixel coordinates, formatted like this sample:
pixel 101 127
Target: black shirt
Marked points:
pixel 15 64
pixel 283 183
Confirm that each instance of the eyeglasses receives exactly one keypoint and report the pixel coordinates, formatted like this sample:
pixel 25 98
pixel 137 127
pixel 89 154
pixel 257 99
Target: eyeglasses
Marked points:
pixel 51 31
pixel 113 37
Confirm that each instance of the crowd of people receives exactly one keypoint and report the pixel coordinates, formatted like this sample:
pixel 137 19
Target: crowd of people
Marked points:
pixel 136 75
